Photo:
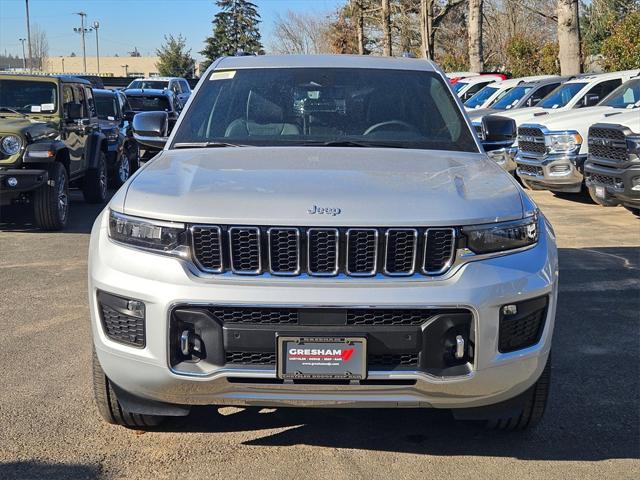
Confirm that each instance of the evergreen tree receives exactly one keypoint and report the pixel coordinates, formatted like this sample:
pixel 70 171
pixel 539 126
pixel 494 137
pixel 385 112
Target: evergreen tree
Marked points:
pixel 174 59
pixel 235 28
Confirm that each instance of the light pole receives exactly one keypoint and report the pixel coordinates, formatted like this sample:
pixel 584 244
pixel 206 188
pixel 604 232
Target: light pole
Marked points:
pixel 126 70
pixel 82 31
pixel 96 26
pixel 24 58
pixel 62 59
pixel 29 35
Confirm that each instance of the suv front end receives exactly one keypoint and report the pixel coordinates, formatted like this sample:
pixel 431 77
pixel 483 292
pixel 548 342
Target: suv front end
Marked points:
pixel 308 272
pixel 549 159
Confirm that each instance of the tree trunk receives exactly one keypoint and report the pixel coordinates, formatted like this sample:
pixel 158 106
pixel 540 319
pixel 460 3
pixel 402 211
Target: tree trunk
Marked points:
pixel 386 28
pixel 360 27
pixel 427 33
pixel 476 58
pixel 569 37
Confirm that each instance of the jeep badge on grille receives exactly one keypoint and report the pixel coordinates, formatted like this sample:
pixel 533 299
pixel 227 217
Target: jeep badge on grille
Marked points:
pixel 315 210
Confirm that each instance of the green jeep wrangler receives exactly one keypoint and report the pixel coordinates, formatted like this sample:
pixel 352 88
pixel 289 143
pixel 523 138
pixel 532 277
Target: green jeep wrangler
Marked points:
pixel 50 140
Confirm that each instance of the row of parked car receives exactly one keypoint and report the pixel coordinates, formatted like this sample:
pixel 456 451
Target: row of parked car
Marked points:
pixel 569 133
pixel 59 132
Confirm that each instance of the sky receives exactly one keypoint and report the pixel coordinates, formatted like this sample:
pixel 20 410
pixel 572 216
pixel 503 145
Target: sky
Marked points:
pixel 125 24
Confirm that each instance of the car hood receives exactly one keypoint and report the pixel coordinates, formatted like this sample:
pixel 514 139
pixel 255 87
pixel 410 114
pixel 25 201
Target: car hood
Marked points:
pixel 478 113
pixel 278 186
pixel 33 127
pixel 628 118
pixel 107 124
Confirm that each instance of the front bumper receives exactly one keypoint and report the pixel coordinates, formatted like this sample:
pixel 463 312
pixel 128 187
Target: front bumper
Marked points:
pixel 26 180
pixel 556 172
pixel 505 157
pixel 617 182
pixel 481 287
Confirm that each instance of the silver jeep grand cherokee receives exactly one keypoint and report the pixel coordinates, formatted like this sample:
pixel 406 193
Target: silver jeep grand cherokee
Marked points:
pixel 321 231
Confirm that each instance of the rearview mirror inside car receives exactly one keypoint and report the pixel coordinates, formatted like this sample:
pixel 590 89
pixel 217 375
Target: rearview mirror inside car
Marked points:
pixel 591 99
pixel 151 128
pixel 497 132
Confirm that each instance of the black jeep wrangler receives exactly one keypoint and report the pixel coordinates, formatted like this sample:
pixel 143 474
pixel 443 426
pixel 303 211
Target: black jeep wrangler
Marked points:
pixel 50 140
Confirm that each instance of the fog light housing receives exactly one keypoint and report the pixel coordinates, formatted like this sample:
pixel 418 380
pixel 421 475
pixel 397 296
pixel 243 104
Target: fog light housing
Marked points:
pixel 12 182
pixel 635 184
pixel 123 319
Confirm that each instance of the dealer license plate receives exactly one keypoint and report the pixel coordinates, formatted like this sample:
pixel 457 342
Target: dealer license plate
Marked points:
pixel 326 358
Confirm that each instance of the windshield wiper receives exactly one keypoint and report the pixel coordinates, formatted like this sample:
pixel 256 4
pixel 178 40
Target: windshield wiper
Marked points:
pixel 353 143
pixel 206 145
pixel 7 109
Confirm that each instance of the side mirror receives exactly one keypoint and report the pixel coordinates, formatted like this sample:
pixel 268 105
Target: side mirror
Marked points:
pixel 74 111
pixel 128 115
pixel 498 132
pixel 151 128
pixel 591 99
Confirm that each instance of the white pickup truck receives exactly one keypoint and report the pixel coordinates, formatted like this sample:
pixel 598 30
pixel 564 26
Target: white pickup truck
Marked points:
pixel 495 91
pixel 612 169
pixel 552 151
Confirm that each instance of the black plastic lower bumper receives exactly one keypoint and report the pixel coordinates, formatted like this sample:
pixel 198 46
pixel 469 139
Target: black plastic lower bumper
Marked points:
pixel 618 182
pixel 22 180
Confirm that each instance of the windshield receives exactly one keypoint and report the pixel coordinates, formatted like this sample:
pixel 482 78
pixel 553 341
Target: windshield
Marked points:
pixel 625 96
pixel 561 95
pixel 481 97
pixel 512 98
pixel 149 103
pixel 26 96
pixel 155 84
pixel 315 106
pixel 458 86
pixel 106 106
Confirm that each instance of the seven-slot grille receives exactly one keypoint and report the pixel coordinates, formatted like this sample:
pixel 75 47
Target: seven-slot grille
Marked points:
pixel 323 251
pixel 531 140
pixel 608 143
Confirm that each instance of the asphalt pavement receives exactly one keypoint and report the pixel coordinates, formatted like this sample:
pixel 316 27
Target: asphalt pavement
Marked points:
pixel 50 429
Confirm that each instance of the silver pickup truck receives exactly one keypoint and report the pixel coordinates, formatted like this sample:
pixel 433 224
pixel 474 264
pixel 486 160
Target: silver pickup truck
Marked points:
pixel 322 231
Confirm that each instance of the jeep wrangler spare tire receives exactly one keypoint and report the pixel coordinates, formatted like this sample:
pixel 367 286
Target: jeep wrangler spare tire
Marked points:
pixel 51 200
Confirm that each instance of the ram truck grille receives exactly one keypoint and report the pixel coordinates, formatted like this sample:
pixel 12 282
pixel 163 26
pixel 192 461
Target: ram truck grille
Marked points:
pixel 323 252
pixel 531 140
pixel 608 144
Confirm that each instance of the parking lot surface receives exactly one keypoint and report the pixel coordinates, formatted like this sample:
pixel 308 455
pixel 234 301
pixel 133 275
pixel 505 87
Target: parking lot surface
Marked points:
pixel 49 427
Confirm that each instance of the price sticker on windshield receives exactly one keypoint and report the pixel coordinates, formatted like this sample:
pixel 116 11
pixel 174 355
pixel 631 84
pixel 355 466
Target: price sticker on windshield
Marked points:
pixel 224 75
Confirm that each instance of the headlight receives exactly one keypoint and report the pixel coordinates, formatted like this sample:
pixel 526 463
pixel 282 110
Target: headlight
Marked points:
pixel 112 135
pixel 163 237
pixel 11 144
pixel 563 142
pixel 500 237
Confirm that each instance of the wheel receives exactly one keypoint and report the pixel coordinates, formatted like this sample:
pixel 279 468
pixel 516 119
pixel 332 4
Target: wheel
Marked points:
pixel 122 170
pixel 94 186
pixel 109 407
pixel 605 202
pixel 51 200
pixel 534 402
pixel 634 210
pixel 133 153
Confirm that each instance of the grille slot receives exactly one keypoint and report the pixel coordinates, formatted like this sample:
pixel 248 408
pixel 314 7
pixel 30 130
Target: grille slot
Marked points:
pixel 529 169
pixel 245 250
pixel 207 247
pixel 251 358
pixel 608 143
pixel 516 334
pixel 323 251
pixel 374 316
pixel 362 252
pixel 284 251
pixel 256 316
pixel 537 145
pixel 400 251
pixel 377 362
pixel 439 250
pixel 122 328
pixel 602 179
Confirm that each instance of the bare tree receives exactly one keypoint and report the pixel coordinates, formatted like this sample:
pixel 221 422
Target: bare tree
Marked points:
pixel 300 33
pixel 386 28
pixel 476 57
pixel 569 37
pixel 431 15
pixel 357 10
pixel 39 46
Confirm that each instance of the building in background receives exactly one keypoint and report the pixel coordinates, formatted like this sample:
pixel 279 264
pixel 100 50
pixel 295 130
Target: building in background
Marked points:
pixel 109 66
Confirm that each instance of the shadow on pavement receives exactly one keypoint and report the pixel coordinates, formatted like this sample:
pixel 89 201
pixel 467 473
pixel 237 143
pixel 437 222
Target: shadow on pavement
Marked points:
pixel 19 218
pixel 32 470
pixel 592 414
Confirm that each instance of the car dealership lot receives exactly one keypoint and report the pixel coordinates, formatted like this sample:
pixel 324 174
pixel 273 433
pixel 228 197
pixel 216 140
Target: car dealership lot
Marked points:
pixel 49 427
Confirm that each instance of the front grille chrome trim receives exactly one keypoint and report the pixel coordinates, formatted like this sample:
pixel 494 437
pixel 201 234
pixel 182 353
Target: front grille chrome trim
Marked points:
pixel 336 270
pixel 452 252
pixel 215 228
pixel 372 272
pixel 284 273
pixel 386 252
pixel 258 271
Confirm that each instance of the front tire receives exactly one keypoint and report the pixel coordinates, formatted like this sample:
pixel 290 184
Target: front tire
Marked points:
pixel 94 186
pixel 634 210
pixel 110 408
pixel 122 170
pixel 51 200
